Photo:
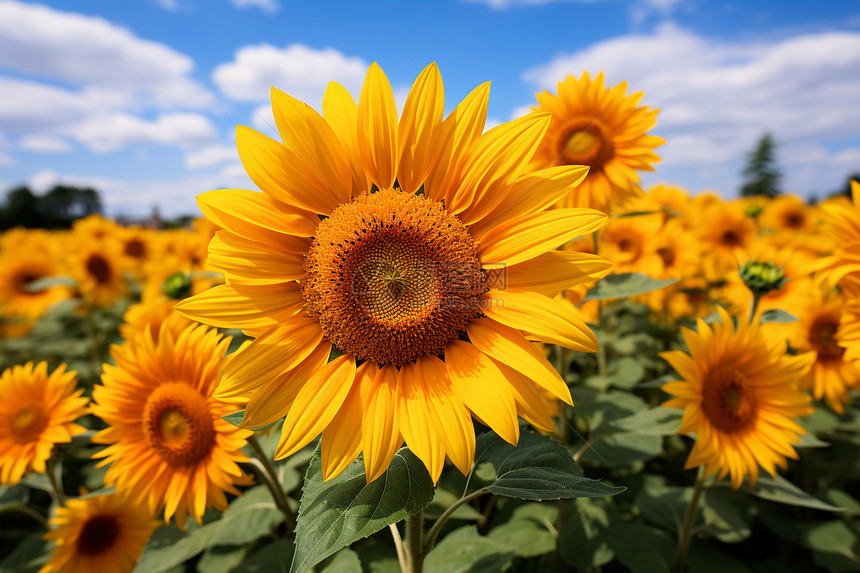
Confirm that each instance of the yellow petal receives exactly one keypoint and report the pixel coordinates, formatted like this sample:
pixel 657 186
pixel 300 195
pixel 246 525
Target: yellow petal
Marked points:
pixel 341 440
pixel 528 236
pixel 420 129
pixel 380 433
pixel 341 113
pixel 419 423
pixel 546 318
pixel 459 130
pixel 248 262
pixel 377 128
pixel 305 131
pixel 530 404
pixel 550 273
pixel 483 388
pixel 510 347
pixel 281 173
pixel 493 163
pixel 248 307
pixel 272 401
pixel 316 405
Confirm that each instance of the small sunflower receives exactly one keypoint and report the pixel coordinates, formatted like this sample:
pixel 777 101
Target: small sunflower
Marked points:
pixel 97 267
pixel 602 128
pixel 168 443
pixel 149 314
pixel 629 243
pixel 102 533
pixel 18 271
pixel 817 330
pixel 842 225
pixel 739 395
pixel 725 234
pixel 422 249
pixel 37 411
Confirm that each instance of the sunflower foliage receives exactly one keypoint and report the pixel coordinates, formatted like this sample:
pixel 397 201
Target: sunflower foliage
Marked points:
pixel 199 400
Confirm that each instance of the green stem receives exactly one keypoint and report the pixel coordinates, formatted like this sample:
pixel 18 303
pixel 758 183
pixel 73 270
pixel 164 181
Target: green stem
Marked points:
pixel 56 481
pixel 685 535
pixel 398 544
pixel 437 527
pixel 414 545
pixel 601 352
pixel 20 508
pixel 270 476
pixel 756 300
pixel 563 369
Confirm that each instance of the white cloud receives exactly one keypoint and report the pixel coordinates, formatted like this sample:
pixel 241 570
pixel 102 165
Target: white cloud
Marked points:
pixel 115 131
pixel 169 5
pixel 44 144
pixel 717 98
pixel 299 70
pixel 92 52
pixel 266 6
pixel 211 156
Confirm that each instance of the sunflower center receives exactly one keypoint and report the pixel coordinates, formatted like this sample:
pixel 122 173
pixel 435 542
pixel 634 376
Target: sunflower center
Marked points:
pixel 731 239
pixel 23 280
pixel 178 425
pixel 727 400
pixel 135 248
pixel 822 335
pixel 99 268
pixel 28 423
pixel 794 220
pixel 392 277
pixel 584 141
pixel 668 255
pixel 98 534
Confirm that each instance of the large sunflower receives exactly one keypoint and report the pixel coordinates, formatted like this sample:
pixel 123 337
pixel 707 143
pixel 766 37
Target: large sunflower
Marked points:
pixel 168 442
pixel 842 225
pixel 103 533
pixel 422 250
pixel 37 411
pixel 604 129
pixel 739 394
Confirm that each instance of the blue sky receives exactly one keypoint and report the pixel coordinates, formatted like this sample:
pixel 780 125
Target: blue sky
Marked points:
pixel 140 98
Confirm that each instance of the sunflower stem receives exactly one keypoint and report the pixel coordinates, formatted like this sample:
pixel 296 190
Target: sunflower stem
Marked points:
pixel 685 535
pixel 56 480
pixel 398 544
pixel 414 543
pixel 756 299
pixel 437 527
pixel 21 508
pixel 601 323
pixel 270 476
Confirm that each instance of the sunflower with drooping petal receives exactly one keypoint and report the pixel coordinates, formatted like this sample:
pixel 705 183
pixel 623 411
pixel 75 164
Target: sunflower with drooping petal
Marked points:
pixel 603 128
pixel 168 444
pixel 421 249
pixel 102 533
pixel 817 330
pixel 739 392
pixel 37 411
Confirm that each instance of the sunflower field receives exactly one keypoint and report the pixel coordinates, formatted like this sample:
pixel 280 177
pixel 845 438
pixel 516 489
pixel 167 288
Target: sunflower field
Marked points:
pixel 423 345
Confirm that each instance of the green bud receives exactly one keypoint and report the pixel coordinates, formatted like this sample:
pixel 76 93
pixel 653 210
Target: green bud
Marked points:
pixel 753 210
pixel 762 277
pixel 177 286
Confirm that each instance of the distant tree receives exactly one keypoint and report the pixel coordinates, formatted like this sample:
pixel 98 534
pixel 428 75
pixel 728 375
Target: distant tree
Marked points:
pixel 57 209
pixel 21 207
pixel 761 174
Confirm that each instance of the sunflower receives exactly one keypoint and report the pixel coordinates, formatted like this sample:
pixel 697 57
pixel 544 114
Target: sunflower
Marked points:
pixel 37 411
pixel 104 533
pixel 848 335
pixel 629 243
pixel 150 314
pixel 421 250
pixel 817 330
pixel 739 394
pixel 787 214
pixel 842 219
pixel 602 128
pixel 168 443
pixel 725 234
pixel 95 228
pixel 18 271
pixel 98 269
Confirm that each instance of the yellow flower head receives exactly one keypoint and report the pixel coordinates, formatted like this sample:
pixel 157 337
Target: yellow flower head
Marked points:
pixel 103 533
pixel 739 394
pixel 725 235
pixel 842 226
pixel 168 442
pixel 629 243
pixel 97 266
pixel 149 314
pixel 19 269
pixel 422 249
pixel 604 129
pixel 37 411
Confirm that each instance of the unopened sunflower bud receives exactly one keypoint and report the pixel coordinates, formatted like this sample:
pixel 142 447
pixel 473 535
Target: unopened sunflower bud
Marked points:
pixel 177 286
pixel 753 210
pixel 762 277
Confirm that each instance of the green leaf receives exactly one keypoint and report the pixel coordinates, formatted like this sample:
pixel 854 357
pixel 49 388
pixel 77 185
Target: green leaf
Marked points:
pixel 626 372
pixel 781 490
pixel 272 558
pixel 537 468
pixel 642 549
pixel 833 544
pixel 584 537
pixel 47 282
pixel 221 559
pixel 464 551
pixel 810 441
pixel 248 518
pixel 728 514
pixel 657 421
pixel 236 419
pixel 659 382
pixel 776 315
pixel 443 499
pixel 665 507
pixel 344 509
pixel 28 556
pixel 344 561
pixel 625 284
pixel 704 558
pixel 530 531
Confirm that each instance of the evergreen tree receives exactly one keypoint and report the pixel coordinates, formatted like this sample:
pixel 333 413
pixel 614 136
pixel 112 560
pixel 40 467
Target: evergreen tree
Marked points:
pixel 761 174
